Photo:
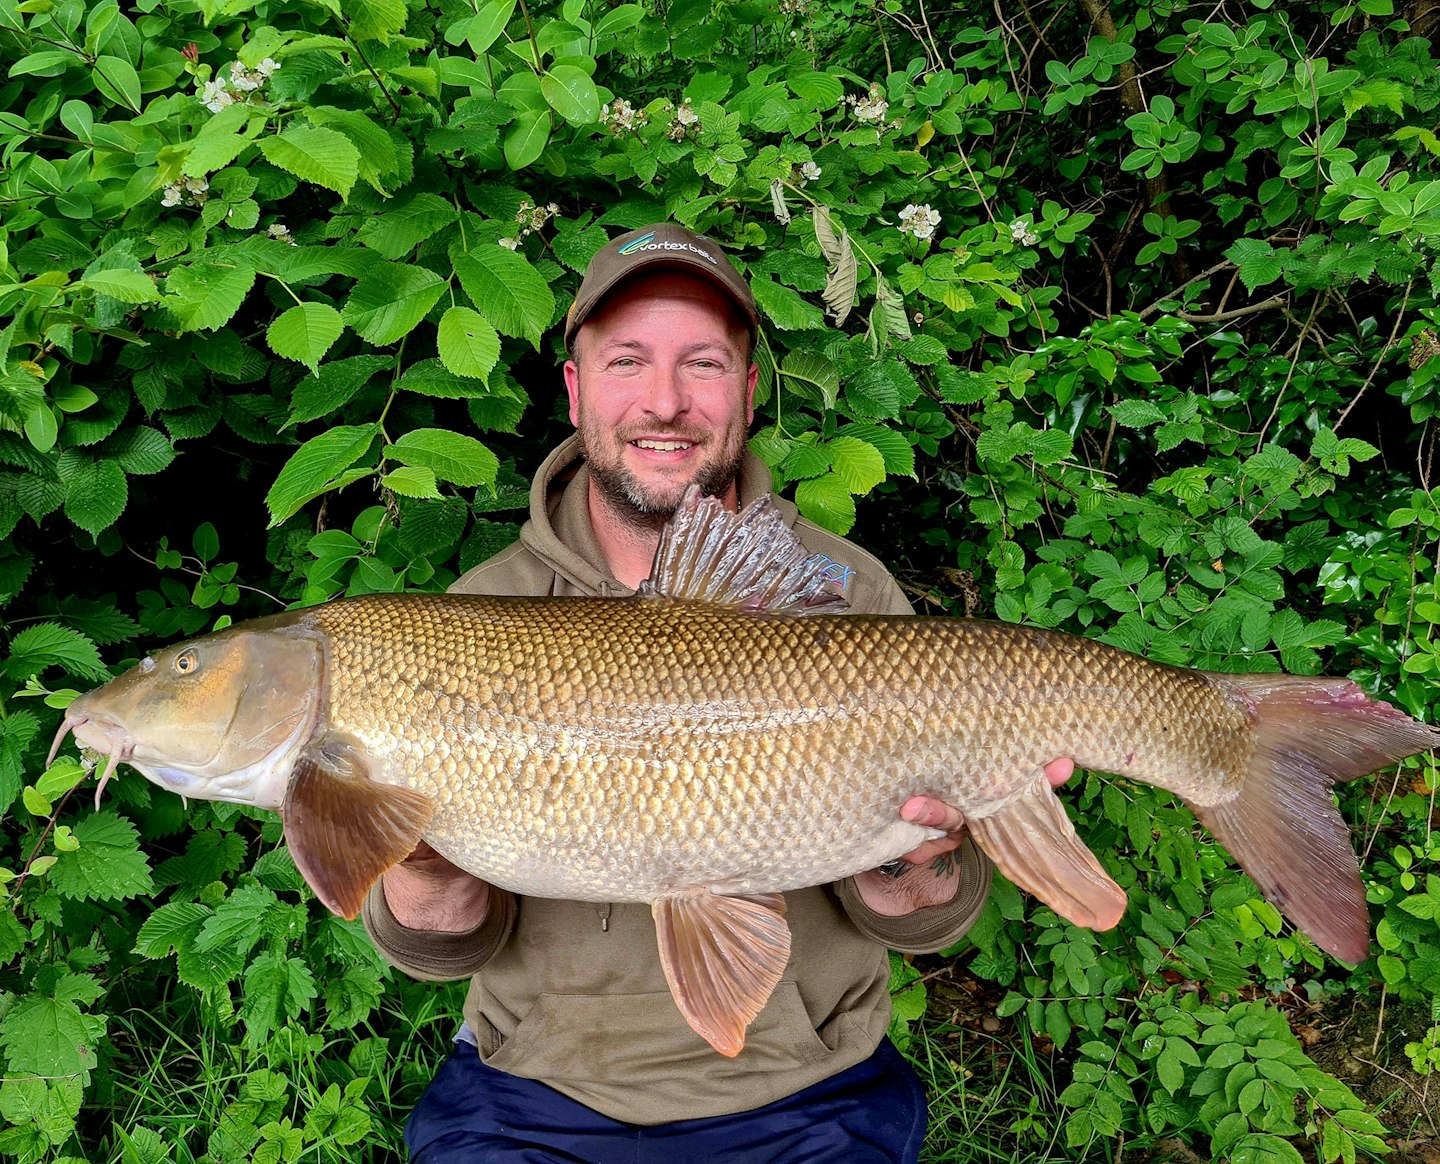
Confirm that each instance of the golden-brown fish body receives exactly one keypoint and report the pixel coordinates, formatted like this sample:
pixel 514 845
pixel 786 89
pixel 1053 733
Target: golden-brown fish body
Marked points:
pixel 617 750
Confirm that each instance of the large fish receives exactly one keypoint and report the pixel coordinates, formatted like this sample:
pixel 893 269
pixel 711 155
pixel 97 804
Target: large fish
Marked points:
pixel 726 736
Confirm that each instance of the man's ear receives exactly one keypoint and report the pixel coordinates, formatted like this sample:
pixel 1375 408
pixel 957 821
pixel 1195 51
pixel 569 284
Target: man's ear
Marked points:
pixel 572 389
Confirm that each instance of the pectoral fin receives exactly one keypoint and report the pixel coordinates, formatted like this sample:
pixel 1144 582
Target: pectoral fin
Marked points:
pixel 345 829
pixel 722 958
pixel 1034 844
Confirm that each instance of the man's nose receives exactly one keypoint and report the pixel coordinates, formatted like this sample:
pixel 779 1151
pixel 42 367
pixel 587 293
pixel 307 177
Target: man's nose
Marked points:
pixel 668 397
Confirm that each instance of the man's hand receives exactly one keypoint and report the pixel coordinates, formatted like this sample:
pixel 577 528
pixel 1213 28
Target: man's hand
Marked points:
pixel 929 875
pixel 427 892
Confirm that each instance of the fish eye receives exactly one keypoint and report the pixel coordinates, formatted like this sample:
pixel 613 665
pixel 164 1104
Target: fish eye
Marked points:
pixel 187 662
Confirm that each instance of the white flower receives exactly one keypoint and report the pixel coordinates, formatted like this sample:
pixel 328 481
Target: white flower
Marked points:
pixel 622 117
pixel 281 233
pixel 686 114
pixel 873 107
pixel 215 96
pixel 266 67
pixel 510 244
pixel 1020 231
pixel 920 220
pixel 171 197
pixel 809 172
pixel 245 81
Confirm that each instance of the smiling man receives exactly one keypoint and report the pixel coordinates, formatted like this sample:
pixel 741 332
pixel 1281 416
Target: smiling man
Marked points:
pixel 571 1048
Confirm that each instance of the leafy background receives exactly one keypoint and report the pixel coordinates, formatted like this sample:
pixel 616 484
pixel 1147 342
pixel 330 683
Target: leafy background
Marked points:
pixel 1130 310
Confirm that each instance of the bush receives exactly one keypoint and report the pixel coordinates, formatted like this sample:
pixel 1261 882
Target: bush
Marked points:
pixel 1131 309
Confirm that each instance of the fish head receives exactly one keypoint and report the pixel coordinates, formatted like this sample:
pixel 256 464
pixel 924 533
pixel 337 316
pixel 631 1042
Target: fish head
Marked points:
pixel 218 718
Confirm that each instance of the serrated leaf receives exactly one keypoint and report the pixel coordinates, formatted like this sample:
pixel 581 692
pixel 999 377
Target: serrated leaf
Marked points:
pixel 205 296
pixel 333 386
pixel 817 371
pixel 1257 261
pixel 277 989
pixel 305 333
pixel 50 1038
pixel 506 290
pixel 324 157
pixel 432 378
pixel 374 19
pixel 411 481
pixel 315 467
pixel 842 281
pixel 126 286
pixel 859 466
pixel 140 451
pixel 467 344
pixel 51 645
pixel 825 235
pixel 170 928
pixel 389 300
pixel 95 495
pixel 784 306
pixel 820 90
pixel 107 866
pixel 827 502
pixel 452 456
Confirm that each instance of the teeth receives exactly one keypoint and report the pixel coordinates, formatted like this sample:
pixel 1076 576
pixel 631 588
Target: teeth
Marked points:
pixel 663 446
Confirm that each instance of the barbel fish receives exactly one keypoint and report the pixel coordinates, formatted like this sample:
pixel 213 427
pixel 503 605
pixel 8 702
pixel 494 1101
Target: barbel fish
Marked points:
pixel 725 736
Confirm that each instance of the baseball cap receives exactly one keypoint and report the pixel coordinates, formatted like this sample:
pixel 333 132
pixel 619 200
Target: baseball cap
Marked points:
pixel 665 244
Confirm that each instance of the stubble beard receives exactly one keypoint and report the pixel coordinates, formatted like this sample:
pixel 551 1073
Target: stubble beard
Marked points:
pixel 648 506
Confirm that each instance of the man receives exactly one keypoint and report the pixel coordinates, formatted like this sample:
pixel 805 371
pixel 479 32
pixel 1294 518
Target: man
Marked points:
pixel 572 1048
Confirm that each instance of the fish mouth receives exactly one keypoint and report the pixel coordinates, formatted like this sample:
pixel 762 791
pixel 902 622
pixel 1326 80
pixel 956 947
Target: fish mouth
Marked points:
pixel 102 736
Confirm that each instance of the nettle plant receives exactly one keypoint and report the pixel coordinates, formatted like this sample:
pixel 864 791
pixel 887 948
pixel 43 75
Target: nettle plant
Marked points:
pixel 1131 311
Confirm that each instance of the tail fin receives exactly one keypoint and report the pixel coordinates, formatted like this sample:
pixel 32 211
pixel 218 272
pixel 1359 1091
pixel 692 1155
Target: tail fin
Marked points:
pixel 1281 825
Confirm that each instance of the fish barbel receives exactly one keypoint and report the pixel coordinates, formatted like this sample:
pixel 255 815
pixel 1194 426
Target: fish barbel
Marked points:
pixel 726 736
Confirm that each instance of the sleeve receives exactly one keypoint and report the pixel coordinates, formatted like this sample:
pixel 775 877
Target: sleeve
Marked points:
pixel 934 928
pixel 433 955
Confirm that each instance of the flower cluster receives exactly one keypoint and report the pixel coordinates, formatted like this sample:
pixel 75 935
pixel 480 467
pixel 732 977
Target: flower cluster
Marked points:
pixel 1020 231
pixel 686 123
pixel 281 233
pixel 622 117
pixel 920 220
pixel 794 7
pixel 531 218
pixel 871 108
pixel 237 84
pixel 190 191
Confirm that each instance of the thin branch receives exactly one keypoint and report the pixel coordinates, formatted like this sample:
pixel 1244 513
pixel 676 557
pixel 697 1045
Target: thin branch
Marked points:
pixel 1380 359
pixel 1235 312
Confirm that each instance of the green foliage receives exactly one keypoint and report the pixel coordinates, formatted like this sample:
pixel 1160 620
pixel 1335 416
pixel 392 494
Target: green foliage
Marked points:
pixel 1134 319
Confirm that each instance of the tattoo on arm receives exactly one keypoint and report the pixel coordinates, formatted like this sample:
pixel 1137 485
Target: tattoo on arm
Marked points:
pixel 944 865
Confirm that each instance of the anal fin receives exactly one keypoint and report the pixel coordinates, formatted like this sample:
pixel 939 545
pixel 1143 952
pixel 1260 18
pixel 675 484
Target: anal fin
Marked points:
pixel 345 829
pixel 1031 840
pixel 723 957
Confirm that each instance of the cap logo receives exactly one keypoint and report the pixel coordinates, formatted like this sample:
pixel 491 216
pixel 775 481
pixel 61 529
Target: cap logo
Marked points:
pixel 646 242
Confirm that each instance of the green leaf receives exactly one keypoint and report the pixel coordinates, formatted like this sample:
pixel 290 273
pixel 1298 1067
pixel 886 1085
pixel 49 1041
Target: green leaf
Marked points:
pixel 50 1038
pixel 1136 413
pixel 52 645
pixel 305 333
pixel 277 989
pixel 859 466
pixel 126 286
pixel 572 94
pixel 315 467
pixel 140 451
pixel 333 386
pixel 95 495
pixel 411 481
pixel 116 79
pixel 821 90
pixel 506 289
pixel 107 866
pixel 452 456
pixel 467 344
pixel 314 154
pixel 1258 262
pixel 827 502
pixel 374 19
pixel 170 928
pixel 389 300
pixel 204 296
pixel 784 306
pixel 527 138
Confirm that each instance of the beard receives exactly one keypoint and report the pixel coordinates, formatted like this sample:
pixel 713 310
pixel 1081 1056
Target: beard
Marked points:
pixel 648 505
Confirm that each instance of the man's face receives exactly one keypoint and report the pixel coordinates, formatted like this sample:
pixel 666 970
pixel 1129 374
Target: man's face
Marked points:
pixel 660 389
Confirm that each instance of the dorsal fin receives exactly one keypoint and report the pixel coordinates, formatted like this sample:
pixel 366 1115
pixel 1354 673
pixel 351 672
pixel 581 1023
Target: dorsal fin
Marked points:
pixel 751 560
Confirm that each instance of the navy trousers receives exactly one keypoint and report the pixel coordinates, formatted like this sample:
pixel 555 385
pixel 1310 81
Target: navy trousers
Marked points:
pixel 874 1113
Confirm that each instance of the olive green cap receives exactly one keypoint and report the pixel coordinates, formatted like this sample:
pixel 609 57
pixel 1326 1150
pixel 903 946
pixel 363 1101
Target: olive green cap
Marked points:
pixel 664 244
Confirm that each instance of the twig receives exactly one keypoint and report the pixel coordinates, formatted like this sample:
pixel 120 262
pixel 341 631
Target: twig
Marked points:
pixel 1154 307
pixel 1380 359
pixel 1234 312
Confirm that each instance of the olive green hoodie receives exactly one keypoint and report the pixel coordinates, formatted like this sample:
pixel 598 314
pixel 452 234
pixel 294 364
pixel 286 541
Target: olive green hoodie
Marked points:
pixel 572 993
